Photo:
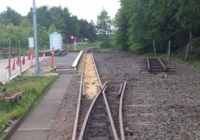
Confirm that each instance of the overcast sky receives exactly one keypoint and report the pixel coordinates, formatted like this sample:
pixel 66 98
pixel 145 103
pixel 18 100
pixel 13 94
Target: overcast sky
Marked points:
pixel 85 9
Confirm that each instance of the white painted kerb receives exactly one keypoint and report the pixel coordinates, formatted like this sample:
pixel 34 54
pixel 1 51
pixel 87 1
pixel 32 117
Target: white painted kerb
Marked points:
pixel 75 63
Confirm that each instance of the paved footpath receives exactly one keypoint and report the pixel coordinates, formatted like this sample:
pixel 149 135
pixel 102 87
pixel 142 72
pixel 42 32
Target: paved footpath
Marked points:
pixel 38 123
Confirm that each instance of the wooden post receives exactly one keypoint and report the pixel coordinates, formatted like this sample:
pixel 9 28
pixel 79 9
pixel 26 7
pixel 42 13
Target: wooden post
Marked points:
pixel 189 44
pixel 154 47
pixel 169 49
pixel 186 53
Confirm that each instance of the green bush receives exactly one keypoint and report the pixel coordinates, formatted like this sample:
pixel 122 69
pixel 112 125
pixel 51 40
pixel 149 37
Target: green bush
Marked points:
pixel 106 43
pixel 136 47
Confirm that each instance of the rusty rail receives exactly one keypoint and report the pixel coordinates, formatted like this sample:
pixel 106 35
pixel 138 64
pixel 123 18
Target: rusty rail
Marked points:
pixel 81 135
pixel 79 102
pixel 121 126
pixel 162 64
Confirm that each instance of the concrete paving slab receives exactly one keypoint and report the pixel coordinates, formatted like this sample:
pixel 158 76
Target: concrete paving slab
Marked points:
pixel 42 117
pixel 34 135
pixel 35 125
pixel 55 94
pixel 45 109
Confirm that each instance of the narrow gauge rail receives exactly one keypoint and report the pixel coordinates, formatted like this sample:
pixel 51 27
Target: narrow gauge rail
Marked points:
pixel 104 118
pixel 112 108
pixel 155 65
pixel 77 120
pixel 114 94
pixel 82 104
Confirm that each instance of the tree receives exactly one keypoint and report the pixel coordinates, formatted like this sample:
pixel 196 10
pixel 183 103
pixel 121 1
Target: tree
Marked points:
pixel 26 30
pixel 14 34
pixel 122 25
pixel 103 23
pixel 43 16
pixel 10 16
pixel 140 22
pixel 57 18
pixel 15 27
pixel 87 30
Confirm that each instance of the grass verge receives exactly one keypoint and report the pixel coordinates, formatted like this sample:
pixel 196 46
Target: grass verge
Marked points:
pixel 177 59
pixel 34 88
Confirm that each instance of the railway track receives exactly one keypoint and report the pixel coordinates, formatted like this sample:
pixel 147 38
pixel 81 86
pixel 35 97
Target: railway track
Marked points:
pixel 114 93
pixel 103 119
pixel 83 102
pixel 155 65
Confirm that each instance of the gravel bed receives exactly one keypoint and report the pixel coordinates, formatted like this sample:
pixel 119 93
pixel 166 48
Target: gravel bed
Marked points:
pixel 85 104
pixel 63 125
pixel 163 106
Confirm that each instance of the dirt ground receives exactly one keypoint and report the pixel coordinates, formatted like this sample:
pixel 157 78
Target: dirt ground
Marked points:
pixel 45 68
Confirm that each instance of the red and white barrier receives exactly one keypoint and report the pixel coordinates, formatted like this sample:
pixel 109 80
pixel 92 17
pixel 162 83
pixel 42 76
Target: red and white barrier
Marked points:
pixel 13 66
pixel 44 56
pixel 52 57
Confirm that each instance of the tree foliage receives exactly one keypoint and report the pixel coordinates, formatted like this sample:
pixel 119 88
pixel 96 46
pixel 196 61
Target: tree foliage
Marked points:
pixel 43 16
pixel 103 28
pixel 140 22
pixel 10 16
pixel 87 30
pixel 17 28
pixel 103 23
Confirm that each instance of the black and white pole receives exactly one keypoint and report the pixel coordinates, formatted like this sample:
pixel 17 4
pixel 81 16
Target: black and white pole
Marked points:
pixel 37 64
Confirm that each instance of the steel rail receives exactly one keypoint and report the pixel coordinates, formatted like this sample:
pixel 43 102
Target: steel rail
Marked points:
pixel 107 108
pixel 99 79
pixel 81 135
pixel 74 133
pixel 121 126
pixel 106 102
pixel 81 89
pixel 120 90
pixel 162 64
pixel 110 116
